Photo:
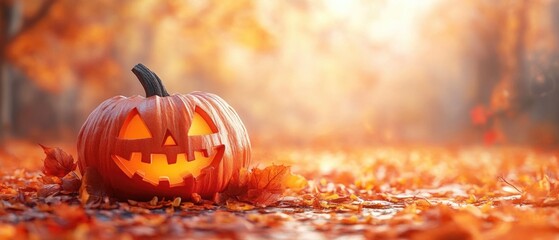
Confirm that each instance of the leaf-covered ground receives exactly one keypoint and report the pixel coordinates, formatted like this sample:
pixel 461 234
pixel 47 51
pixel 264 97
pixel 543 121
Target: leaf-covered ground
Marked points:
pixel 364 193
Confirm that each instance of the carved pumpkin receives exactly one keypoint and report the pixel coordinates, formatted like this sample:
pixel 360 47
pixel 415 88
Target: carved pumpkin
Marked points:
pixel 162 145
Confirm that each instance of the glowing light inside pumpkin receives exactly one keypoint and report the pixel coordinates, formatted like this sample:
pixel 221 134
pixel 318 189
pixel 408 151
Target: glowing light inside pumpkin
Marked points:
pixel 160 170
pixel 134 127
pixel 169 140
pixel 201 124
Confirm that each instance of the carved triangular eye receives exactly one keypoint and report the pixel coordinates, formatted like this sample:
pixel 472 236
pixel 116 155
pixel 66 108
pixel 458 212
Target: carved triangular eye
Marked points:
pixel 134 127
pixel 202 124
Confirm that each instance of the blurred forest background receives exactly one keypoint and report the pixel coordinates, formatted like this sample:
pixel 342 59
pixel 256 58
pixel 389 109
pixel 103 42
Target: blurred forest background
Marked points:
pixel 303 73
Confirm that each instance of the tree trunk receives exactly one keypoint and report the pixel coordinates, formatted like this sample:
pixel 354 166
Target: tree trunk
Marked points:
pixel 5 19
pixel 12 24
pixel 5 104
pixel 9 24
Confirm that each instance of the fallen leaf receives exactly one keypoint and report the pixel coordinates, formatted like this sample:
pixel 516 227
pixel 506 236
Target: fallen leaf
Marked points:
pixel 266 186
pixel 262 197
pixel 154 201
pixel 92 190
pixel 295 182
pixel 48 190
pixel 196 198
pixel 237 185
pixel 71 183
pixel 238 206
pixel 57 162
pixel 262 187
pixel 271 178
pixel 177 202
pixel 51 180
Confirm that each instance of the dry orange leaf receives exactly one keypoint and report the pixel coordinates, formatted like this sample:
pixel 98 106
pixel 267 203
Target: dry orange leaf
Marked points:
pixel 71 183
pixel 238 206
pixel 263 187
pixel 57 162
pixel 48 190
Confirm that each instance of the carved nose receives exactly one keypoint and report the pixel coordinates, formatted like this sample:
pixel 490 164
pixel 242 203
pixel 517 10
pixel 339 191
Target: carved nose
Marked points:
pixel 169 140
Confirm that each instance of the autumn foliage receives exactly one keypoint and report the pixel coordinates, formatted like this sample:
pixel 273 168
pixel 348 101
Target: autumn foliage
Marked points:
pixel 57 162
pixel 263 187
pixel 341 77
pixel 387 193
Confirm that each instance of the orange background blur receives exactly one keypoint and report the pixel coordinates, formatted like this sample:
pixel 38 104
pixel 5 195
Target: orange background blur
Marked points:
pixel 302 73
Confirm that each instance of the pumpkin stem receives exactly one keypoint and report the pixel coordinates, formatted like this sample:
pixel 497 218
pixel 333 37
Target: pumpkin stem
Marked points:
pixel 150 81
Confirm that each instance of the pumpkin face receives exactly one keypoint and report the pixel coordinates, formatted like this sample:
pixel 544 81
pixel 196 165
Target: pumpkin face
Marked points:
pixel 164 146
pixel 166 159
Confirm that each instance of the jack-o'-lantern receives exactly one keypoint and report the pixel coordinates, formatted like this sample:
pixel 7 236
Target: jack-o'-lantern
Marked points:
pixel 163 145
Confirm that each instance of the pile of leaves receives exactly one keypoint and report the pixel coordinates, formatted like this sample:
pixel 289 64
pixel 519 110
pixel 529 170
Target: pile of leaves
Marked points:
pixel 420 193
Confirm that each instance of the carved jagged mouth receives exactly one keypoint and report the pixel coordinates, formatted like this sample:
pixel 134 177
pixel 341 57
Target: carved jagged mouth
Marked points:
pixel 159 170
